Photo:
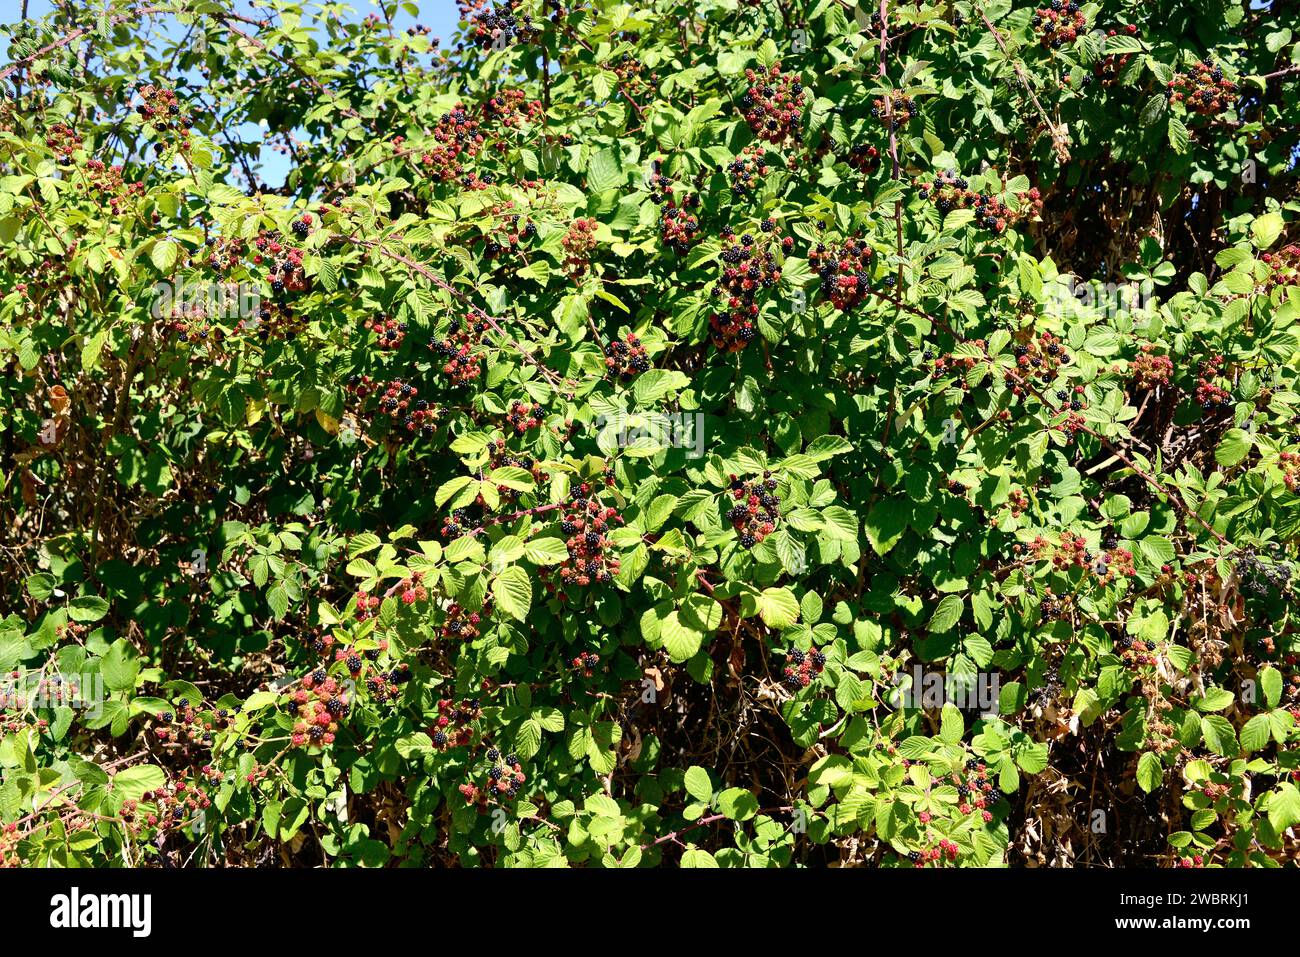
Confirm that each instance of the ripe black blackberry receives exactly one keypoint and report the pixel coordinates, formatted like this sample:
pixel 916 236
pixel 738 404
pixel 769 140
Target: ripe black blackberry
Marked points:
pixel 512 759
pixel 493 754
pixel 795 655
pixel 914 856
pixel 817 658
pixel 353 661
pixel 301 228
pixel 440 739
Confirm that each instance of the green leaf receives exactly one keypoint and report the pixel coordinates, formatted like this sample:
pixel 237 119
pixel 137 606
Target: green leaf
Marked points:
pixel 698 784
pixel 87 609
pixel 947 614
pixel 1233 447
pixel 737 804
pixel 513 592
pixel 1150 772
pixel 120 666
pixel 1270 682
pixel 132 783
pixel 778 607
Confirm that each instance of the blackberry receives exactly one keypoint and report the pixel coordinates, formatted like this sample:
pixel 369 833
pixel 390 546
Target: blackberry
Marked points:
pixel 795 655
pixel 512 759
pixel 747 540
pixel 914 856
pixel 440 739
pixel 818 658
pixel 353 662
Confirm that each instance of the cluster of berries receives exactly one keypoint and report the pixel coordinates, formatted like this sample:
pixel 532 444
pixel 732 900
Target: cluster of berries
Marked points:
pixel 173 806
pixel 460 522
pixel 390 331
pixel 499 456
pixel 585 663
pixel 355 660
pixel 321 703
pixel 587 521
pixel 226 254
pixel 802 667
pixel 398 401
pixel 975 789
pixel 512 109
pixel 161 109
pixel 844 270
pixel 1109 68
pixel 320 641
pixel 1072 405
pixel 1211 397
pixel 1037 359
pixel 678 227
pixel 894 109
pixel 64 141
pixel 755 514
pixel 285 272
pixel 503 780
pixel 748 170
pixel 626 357
pixel 1134 651
pixel 523 416
pixel 192 727
pixel 863 158
pixel 387 686
pixel 457 138
pixel 107 180
pixel 1260 576
pixel 462 624
pixel 1073 552
pixel 1203 89
pixel 508 233
pixel 1060 23
pixel 1018 503
pixel 411 589
pixel 1284 266
pixel 188 325
pixel 496 26
pixel 367 605
pixel 9 838
pixel 454 726
pixel 773 104
pixel 949 191
pixel 463 363
pixel 945 850
pixel 1054 607
pixel 951 365
pixel 748 266
pixel 578 242
pixel 1289 462
pixel 633 78
pixel 1149 370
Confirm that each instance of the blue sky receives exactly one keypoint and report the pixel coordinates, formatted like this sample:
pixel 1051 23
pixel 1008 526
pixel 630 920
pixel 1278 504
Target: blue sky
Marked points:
pixel 439 15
